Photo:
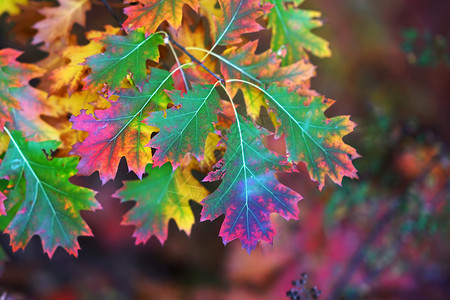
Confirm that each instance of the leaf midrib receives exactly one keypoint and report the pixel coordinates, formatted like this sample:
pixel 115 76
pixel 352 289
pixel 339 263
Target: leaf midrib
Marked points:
pixel 119 60
pixel 180 134
pixel 38 182
pixel 136 114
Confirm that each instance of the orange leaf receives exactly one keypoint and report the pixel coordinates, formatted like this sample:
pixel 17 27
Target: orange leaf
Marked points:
pixel 154 12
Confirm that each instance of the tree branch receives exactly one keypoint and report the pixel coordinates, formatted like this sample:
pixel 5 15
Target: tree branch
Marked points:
pixel 222 81
pixel 111 11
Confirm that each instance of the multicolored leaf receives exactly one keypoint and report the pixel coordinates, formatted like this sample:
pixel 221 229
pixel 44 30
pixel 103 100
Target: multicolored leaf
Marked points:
pixel 14 77
pixel 211 11
pixel 264 68
pixel 59 20
pixel 124 55
pixel 49 204
pixel 161 196
pixel 153 12
pixel 120 131
pixel 184 129
pixel 249 192
pixel 33 103
pixel 238 17
pixel 69 76
pixel 313 138
pixel 291 28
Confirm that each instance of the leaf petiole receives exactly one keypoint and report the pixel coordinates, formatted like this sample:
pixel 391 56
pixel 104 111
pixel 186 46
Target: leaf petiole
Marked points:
pixel 227 62
pixel 196 60
pixel 167 42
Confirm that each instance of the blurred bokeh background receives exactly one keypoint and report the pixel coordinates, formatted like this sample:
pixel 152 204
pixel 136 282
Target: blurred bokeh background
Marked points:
pixel 382 237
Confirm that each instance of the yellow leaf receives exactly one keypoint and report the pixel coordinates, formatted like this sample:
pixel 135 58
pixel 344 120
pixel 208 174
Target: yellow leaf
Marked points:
pixel 211 10
pixel 187 188
pixel 78 101
pixel 11 6
pixel 4 142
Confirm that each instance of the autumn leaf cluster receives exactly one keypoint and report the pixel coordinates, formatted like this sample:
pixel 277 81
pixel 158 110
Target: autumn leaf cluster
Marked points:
pixel 188 93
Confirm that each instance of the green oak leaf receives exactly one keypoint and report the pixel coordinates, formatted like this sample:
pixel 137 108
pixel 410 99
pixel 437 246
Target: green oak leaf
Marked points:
pixel 124 55
pixel 184 129
pixel 291 28
pixel 43 200
pixel 264 68
pixel 313 138
pixel 238 17
pixel 161 196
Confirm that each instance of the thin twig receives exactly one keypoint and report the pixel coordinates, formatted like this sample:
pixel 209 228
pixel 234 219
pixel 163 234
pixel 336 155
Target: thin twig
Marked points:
pixel 175 43
pixel 222 81
pixel 111 11
pixel 115 5
pixel 168 43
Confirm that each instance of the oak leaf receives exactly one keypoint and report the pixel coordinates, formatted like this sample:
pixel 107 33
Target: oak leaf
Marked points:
pixel 313 138
pixel 33 104
pixel 238 17
pixel 120 131
pixel 14 78
pixel 149 14
pixel 264 68
pixel 249 192
pixel 124 55
pixel 161 196
pixel 47 204
pixel 184 129
pixel 70 76
pixel 291 28
pixel 59 20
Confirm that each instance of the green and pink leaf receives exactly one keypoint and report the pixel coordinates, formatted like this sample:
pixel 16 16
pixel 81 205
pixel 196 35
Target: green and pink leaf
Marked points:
pixel 119 131
pixel 249 192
